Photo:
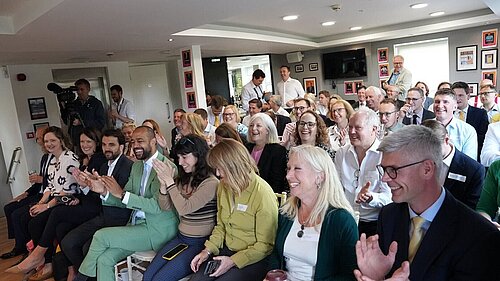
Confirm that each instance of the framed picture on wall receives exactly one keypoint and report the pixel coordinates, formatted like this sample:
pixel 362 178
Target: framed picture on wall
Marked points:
pixel 382 54
pixel 188 79
pixel 489 38
pixel 37 107
pixel 299 68
pixel 489 59
pixel 191 100
pixel 381 83
pixel 473 89
pixel 310 85
pixel 349 88
pixel 383 70
pixel 467 58
pixel 313 66
pixel 36 126
pixel 490 74
pixel 186 58
pixel 357 84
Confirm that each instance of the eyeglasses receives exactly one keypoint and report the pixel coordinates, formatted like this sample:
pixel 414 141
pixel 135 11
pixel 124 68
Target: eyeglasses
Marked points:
pixel 309 124
pixel 184 140
pixel 228 114
pixel 485 93
pixel 356 178
pixel 301 108
pixel 398 62
pixel 338 110
pixel 392 172
pixel 386 114
pixel 412 99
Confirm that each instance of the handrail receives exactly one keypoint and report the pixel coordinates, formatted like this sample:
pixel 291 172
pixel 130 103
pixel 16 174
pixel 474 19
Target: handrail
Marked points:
pixel 14 161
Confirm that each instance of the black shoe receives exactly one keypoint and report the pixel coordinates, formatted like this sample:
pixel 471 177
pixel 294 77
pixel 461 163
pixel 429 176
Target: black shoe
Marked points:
pixel 14 253
pixel 81 277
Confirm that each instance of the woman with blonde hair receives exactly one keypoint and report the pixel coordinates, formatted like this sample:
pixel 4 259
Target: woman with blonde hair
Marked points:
pixel 192 123
pixel 231 116
pixel 317 231
pixel 340 112
pixel 247 216
pixel 127 130
pixel 161 142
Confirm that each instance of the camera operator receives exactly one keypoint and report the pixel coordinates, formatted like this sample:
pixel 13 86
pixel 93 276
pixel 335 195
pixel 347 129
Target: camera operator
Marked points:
pixel 85 111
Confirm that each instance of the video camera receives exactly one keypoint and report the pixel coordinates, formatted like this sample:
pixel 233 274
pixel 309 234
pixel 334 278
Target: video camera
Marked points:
pixel 66 98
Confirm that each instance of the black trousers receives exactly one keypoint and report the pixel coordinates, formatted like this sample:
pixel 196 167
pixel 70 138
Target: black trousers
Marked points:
pixel 252 272
pixel 367 227
pixel 17 214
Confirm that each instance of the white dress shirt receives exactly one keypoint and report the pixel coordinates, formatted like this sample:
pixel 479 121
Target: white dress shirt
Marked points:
pixel 126 109
pixel 463 136
pixel 290 90
pixel 491 146
pixel 249 92
pixel 346 162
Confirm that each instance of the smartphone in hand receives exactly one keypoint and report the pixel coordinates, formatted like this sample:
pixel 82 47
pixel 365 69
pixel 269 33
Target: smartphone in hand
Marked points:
pixel 211 267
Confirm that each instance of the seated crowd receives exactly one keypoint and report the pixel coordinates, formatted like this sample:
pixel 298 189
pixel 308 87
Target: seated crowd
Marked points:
pixel 397 186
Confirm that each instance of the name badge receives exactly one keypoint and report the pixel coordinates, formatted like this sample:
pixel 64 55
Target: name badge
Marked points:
pixel 457 177
pixel 241 207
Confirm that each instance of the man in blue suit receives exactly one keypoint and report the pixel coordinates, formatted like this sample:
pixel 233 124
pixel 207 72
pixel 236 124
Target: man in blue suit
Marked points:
pixel 461 175
pixel 476 117
pixel 150 226
pixel 426 234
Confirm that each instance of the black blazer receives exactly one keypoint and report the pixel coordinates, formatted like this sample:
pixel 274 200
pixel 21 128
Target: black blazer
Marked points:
pixel 459 244
pixel 35 188
pixel 121 172
pixel 281 122
pixel 478 118
pixel 425 115
pixel 272 165
pixel 468 190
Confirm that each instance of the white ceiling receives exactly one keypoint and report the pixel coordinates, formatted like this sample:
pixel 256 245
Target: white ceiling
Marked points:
pixel 68 31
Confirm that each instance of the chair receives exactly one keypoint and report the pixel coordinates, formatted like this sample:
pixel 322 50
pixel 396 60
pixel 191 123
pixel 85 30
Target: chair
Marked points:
pixel 281 197
pixel 135 261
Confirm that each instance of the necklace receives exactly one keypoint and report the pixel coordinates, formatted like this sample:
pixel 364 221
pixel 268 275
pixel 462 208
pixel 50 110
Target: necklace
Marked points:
pixel 302 226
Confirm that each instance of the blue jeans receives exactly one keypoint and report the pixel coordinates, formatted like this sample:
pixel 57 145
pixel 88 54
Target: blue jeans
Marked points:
pixel 180 266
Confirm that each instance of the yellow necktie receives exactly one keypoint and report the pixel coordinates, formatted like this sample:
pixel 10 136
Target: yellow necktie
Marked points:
pixel 416 236
pixel 461 115
pixel 217 121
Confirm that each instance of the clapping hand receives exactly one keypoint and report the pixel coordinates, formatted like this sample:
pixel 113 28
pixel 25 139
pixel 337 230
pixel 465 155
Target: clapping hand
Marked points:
pixel 372 263
pixel 401 274
pixel 164 172
pixel 112 186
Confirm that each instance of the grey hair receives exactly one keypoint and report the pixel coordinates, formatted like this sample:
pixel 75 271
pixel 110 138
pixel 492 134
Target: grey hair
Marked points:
pixel 276 99
pixel 414 140
pixel 371 118
pixel 272 136
pixel 376 90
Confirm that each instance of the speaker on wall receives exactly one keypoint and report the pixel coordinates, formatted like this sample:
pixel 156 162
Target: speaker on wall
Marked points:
pixel 294 57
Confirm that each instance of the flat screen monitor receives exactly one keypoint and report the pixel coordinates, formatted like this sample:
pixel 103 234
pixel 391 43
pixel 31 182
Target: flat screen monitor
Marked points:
pixel 345 64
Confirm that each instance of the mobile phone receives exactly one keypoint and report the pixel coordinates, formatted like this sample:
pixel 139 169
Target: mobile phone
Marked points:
pixel 174 252
pixel 211 267
pixel 65 199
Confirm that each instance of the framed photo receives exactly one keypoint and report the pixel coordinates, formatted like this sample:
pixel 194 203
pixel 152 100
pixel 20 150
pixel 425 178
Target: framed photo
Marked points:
pixel 191 100
pixel 349 88
pixel 381 84
pixel 489 59
pixel 36 126
pixel 490 74
pixel 382 55
pixel 489 38
pixel 467 58
pixel 383 70
pixel 188 79
pixel 299 68
pixel 310 85
pixel 357 84
pixel 186 58
pixel 313 66
pixel 473 89
pixel 38 110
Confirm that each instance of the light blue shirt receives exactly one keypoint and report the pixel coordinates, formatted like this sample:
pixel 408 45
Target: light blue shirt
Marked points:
pixel 428 214
pixel 463 136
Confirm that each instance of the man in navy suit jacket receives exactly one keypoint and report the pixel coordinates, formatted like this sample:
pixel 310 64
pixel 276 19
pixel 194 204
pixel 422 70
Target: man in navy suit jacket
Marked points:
pixel 476 117
pixel 414 100
pixel 456 244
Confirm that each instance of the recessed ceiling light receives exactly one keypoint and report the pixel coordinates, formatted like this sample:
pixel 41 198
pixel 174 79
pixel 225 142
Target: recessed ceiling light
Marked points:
pixel 355 28
pixel 170 40
pixel 328 23
pixel 418 5
pixel 436 14
pixel 292 17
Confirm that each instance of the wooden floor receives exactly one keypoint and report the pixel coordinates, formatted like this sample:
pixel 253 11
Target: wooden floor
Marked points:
pixel 5 246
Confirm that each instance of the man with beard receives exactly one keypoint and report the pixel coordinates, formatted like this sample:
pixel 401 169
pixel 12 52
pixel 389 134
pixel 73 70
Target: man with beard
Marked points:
pixel 76 243
pixel 150 226
pixel 122 110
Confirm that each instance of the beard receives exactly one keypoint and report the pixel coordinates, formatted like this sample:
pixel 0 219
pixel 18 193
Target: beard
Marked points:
pixel 142 153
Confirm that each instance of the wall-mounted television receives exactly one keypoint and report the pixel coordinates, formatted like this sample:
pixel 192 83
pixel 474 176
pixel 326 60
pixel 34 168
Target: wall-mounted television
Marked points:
pixel 345 64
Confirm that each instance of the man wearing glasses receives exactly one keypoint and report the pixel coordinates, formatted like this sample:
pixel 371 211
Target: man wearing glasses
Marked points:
pixel 414 108
pixel 356 164
pixel 400 77
pixel 487 95
pixel 426 234
pixel 301 105
pixel 388 114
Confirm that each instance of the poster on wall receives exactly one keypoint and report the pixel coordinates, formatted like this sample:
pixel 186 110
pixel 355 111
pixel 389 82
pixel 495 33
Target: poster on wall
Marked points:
pixel 382 82
pixel 357 84
pixel 467 58
pixel 490 74
pixel 37 108
pixel 186 58
pixel 489 38
pixel 473 89
pixel 349 88
pixel 382 54
pixel 489 59
pixel 191 100
pixel 188 79
pixel 383 70
pixel 310 85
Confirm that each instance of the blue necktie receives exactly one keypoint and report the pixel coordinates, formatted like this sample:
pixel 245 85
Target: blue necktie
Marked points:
pixel 144 181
